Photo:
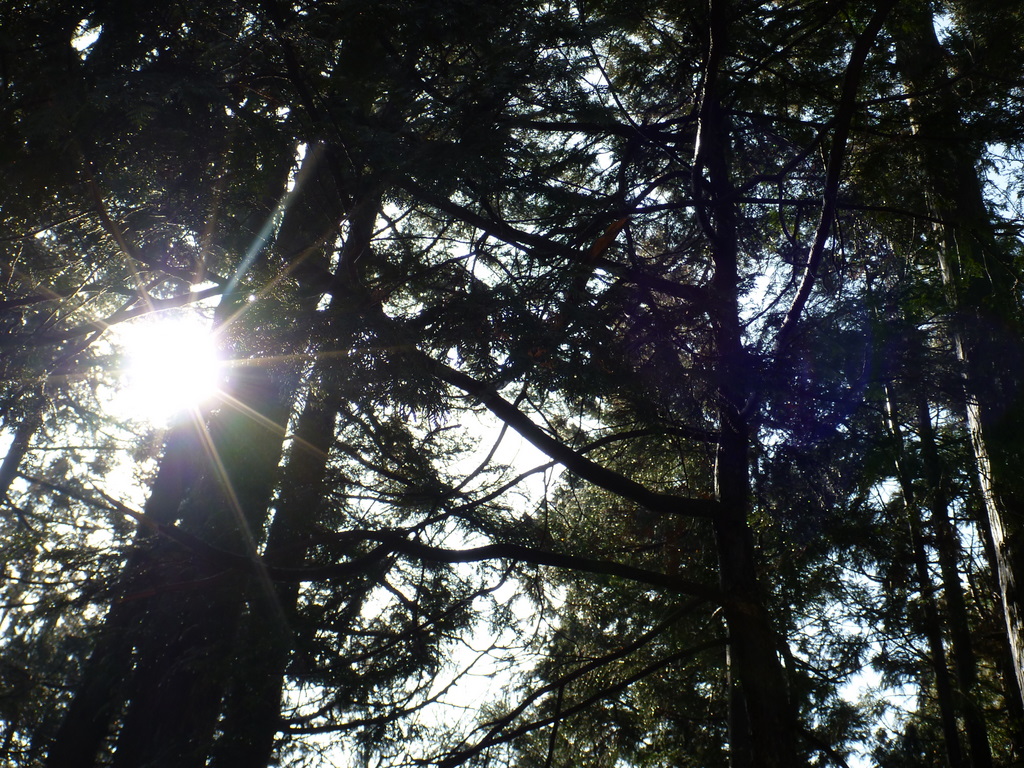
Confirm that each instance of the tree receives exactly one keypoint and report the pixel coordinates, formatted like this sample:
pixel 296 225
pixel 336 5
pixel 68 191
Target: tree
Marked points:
pixel 978 271
pixel 656 242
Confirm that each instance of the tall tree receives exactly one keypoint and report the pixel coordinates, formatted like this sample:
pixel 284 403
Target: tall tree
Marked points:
pixel 642 236
pixel 979 270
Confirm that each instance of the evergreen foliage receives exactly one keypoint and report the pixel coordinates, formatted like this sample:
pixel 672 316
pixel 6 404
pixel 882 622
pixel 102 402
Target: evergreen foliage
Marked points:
pixel 737 277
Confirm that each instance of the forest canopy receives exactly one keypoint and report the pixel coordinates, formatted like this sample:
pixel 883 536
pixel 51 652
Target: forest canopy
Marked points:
pixel 589 383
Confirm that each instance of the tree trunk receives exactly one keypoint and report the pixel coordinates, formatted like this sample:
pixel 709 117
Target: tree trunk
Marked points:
pixel 252 710
pixel 947 543
pixel 99 694
pixel 179 617
pixel 175 692
pixel 253 704
pixel 933 621
pixel 183 669
pixel 23 434
pixel 988 593
pixel 981 282
pixel 759 692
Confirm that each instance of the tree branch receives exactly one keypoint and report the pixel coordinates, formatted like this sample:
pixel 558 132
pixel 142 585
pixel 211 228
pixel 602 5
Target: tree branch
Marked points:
pixel 836 156
pixel 396 542
pixel 510 235
pixel 460 757
pixel 389 542
pixel 574 461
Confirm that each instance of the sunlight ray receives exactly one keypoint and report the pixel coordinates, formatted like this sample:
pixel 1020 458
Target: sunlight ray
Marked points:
pixel 223 479
pixel 269 226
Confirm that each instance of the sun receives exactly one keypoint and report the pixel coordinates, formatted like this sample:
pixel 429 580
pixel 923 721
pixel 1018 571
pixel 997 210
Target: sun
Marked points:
pixel 171 366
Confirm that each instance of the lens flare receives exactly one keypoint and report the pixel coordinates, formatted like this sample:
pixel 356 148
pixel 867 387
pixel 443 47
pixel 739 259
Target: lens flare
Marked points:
pixel 171 366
